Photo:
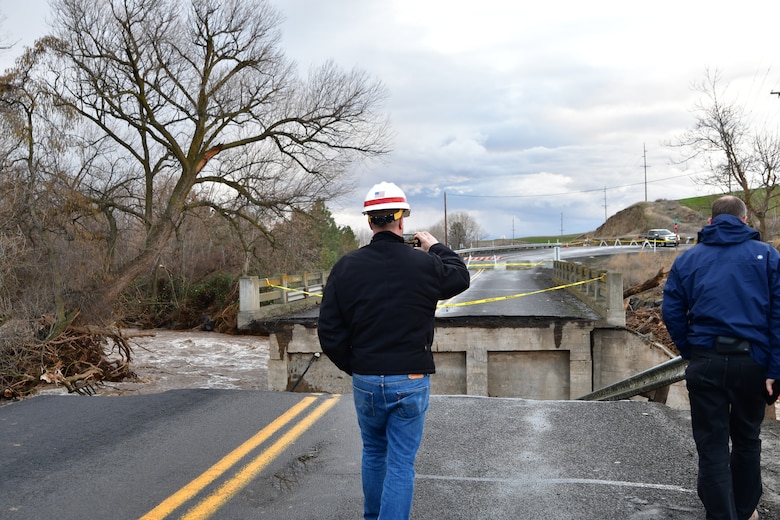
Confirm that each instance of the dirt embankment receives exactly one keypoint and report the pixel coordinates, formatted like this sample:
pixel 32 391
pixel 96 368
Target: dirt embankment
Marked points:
pixel 640 217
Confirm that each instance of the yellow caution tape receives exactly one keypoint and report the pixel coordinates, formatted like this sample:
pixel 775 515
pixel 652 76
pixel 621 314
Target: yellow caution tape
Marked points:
pixel 520 295
pixel 269 284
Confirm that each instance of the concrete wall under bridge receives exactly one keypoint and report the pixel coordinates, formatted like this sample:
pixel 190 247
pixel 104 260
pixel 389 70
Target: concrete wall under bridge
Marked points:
pixel 525 357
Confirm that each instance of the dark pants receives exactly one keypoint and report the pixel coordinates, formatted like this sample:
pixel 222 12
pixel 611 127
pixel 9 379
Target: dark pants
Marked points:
pixel 726 395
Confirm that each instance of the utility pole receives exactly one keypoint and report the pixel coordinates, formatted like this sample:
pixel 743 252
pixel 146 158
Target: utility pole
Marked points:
pixel 446 231
pixel 605 203
pixel 644 154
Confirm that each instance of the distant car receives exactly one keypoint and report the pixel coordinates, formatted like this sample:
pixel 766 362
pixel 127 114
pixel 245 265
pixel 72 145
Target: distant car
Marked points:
pixel 662 237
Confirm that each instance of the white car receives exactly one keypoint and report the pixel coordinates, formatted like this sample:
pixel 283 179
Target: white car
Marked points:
pixel 662 237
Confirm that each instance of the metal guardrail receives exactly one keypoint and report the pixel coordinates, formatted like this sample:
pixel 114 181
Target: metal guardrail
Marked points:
pixel 511 247
pixel 599 242
pixel 651 379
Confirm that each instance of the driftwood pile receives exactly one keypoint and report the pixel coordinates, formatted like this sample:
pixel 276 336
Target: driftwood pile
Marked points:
pixel 647 321
pixel 644 316
pixel 78 358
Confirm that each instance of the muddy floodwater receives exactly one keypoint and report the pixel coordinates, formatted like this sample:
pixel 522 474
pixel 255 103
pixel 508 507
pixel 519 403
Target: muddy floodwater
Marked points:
pixel 173 359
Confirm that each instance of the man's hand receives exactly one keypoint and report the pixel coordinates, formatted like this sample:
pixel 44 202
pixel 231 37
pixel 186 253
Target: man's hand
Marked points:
pixel 426 240
pixel 769 383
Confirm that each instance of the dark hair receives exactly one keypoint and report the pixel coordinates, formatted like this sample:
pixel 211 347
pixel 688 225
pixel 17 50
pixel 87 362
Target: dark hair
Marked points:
pixel 384 218
pixel 729 205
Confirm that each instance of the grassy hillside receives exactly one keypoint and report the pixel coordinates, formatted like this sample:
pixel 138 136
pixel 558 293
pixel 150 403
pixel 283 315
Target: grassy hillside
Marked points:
pixel 699 204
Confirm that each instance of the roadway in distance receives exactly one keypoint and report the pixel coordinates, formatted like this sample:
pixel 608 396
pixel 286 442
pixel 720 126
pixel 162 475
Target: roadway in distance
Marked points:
pixel 505 292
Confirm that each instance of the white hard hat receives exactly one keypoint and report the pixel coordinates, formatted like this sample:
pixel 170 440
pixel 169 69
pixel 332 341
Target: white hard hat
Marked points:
pixel 385 196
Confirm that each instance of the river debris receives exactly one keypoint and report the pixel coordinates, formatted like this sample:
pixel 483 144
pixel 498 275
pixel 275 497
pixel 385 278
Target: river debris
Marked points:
pixel 643 313
pixel 647 285
pixel 647 322
pixel 77 358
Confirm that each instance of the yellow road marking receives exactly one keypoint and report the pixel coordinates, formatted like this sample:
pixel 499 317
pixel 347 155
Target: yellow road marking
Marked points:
pixel 213 502
pixel 167 506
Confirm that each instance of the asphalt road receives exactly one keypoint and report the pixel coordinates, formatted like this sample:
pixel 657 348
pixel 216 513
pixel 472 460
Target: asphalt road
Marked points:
pixel 223 454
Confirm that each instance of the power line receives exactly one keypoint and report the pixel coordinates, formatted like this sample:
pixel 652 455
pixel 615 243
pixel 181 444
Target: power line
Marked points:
pixel 570 192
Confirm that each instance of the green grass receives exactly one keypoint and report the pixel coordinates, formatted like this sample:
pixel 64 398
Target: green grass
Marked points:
pixel 701 204
pixel 551 239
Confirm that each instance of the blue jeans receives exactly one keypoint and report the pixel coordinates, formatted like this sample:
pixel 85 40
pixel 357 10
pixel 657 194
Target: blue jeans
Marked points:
pixel 726 395
pixel 391 414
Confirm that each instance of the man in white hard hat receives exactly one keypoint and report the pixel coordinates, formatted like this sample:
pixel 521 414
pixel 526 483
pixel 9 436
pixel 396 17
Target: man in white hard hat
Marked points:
pixel 376 323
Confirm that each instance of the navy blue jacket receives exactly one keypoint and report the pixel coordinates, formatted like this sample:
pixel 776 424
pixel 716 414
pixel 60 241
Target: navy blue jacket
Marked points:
pixel 726 285
pixel 377 311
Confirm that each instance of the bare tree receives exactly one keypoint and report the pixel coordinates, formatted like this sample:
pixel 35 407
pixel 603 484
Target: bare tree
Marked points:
pixel 464 230
pixel 33 192
pixel 738 158
pixel 194 105
pixel 766 160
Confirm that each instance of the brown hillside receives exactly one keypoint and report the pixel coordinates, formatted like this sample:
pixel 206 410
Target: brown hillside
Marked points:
pixel 642 216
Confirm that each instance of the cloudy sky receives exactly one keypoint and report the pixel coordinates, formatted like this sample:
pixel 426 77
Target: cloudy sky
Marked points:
pixel 536 118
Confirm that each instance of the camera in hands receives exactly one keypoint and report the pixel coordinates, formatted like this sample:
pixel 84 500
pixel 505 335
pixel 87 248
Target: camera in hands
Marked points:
pixel 410 240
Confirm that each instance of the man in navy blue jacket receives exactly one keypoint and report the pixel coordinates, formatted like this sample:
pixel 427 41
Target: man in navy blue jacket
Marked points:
pixel 376 323
pixel 722 309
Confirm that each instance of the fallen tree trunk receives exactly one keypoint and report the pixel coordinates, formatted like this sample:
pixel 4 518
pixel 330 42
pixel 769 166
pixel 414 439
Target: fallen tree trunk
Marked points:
pixel 646 285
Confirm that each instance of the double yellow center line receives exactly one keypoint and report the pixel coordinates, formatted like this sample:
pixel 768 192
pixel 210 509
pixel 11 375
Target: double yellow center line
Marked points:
pixel 209 505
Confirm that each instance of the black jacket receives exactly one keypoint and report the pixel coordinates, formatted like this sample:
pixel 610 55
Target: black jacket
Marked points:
pixel 377 312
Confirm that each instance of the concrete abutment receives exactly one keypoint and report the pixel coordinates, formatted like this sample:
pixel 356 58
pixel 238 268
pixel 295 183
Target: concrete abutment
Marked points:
pixel 522 357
